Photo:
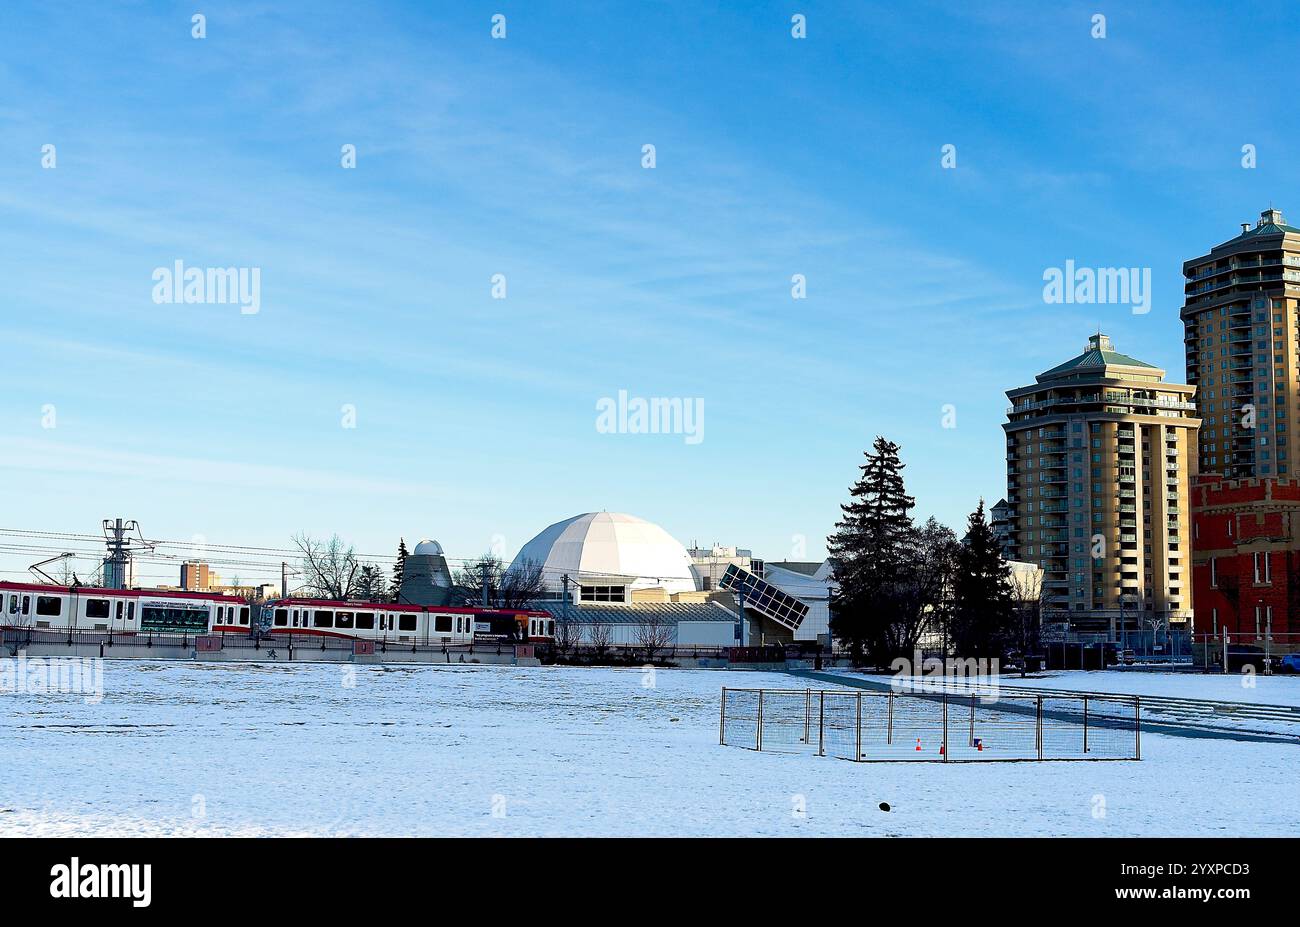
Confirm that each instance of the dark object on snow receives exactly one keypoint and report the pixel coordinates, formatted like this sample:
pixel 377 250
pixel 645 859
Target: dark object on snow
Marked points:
pixel 884 806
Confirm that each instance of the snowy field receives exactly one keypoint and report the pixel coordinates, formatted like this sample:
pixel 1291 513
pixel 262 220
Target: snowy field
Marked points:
pixel 1267 690
pixel 215 749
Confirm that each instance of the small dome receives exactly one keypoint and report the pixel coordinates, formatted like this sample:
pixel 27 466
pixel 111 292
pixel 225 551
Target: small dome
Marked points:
pixel 427 548
pixel 611 547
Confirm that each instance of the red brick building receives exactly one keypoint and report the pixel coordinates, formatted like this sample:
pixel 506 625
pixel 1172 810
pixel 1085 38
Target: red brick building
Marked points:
pixel 1245 555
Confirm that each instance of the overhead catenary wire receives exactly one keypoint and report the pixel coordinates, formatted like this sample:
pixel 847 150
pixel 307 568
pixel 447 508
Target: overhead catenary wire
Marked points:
pixel 230 556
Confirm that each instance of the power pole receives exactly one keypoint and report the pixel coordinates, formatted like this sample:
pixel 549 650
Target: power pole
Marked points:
pixel 119 550
pixel 485 583
pixel 284 579
pixel 740 626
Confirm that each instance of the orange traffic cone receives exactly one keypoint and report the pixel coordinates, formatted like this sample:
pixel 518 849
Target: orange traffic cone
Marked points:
pixel 918 745
pixel 941 749
pixel 979 744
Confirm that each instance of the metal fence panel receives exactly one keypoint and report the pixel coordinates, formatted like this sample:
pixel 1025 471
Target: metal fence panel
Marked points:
pixel 931 726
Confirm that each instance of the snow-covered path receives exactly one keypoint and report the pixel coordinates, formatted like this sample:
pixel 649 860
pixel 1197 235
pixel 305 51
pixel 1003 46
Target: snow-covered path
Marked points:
pixel 282 749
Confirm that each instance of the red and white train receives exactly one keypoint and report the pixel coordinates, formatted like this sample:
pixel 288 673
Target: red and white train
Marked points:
pixel 128 611
pixel 409 624
pixel 136 611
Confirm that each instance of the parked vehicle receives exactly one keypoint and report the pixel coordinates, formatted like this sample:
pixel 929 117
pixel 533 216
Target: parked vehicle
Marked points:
pixel 1290 663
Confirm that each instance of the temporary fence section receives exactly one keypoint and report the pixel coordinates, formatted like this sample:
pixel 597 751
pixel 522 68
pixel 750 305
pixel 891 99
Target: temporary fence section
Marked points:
pixel 914 726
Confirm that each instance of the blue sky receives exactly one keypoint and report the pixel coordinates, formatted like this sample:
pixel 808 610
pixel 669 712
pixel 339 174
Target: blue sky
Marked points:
pixel 475 417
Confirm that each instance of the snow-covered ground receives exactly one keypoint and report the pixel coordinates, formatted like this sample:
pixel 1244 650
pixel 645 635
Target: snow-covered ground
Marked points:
pixel 1235 687
pixel 183 748
pixel 1267 690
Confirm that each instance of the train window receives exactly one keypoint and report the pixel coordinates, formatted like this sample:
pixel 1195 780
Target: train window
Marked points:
pixel 550 628
pixel 458 621
pixel 130 611
pixel 406 622
pixel 13 604
pixel 27 605
pixel 95 608
pixel 282 617
pixel 365 621
pixel 442 623
pixel 243 615
pixel 295 617
pixel 175 617
pixel 343 619
pixel 323 619
pixel 120 609
pixel 49 605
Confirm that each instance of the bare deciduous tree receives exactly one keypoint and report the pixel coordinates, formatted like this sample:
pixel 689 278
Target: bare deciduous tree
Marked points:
pixel 1028 606
pixel 329 568
pixel 507 587
pixel 600 635
pixel 654 634
pixel 568 633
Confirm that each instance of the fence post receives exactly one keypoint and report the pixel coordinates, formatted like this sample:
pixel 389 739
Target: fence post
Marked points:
pixel 889 734
pixel 944 748
pixel 807 715
pixel 821 724
pixel 857 740
pixel 1039 726
pixel 1137 724
pixel 758 734
pixel 1085 724
pixel 722 720
pixel 972 721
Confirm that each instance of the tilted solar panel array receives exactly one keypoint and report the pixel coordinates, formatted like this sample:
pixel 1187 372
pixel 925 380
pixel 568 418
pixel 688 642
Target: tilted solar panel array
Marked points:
pixel 765 598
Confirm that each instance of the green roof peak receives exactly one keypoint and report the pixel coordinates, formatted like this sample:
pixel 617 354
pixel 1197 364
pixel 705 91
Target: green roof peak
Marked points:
pixel 1098 354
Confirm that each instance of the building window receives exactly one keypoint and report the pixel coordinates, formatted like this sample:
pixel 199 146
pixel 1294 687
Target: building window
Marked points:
pixel 1214 572
pixel 1263 574
pixel 608 593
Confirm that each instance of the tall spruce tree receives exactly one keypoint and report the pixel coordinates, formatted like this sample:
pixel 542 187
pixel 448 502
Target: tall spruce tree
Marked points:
pixel 983 609
pixel 870 552
pixel 399 569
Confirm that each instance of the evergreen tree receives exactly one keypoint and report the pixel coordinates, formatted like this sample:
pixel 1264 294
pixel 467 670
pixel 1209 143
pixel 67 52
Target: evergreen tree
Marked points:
pixel 399 568
pixel 371 585
pixel 870 553
pixel 983 611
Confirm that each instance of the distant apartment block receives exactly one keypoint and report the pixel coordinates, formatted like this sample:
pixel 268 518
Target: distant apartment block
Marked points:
pixel 1099 453
pixel 1242 337
pixel 196 576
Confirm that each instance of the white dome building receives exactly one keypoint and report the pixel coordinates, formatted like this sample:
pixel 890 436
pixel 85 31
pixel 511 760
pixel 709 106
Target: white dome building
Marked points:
pixel 607 555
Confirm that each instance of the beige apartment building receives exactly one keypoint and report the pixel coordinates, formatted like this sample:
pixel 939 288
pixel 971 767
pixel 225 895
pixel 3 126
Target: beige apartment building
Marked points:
pixel 1099 455
pixel 1242 336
